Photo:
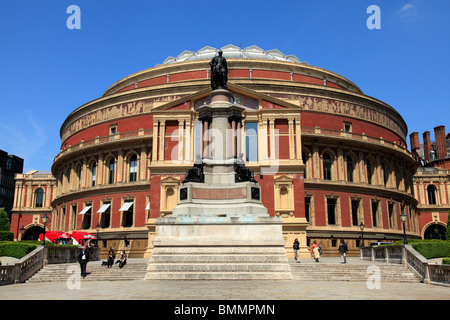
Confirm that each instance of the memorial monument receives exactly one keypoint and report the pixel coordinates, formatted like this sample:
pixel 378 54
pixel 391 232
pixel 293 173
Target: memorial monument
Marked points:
pixel 219 228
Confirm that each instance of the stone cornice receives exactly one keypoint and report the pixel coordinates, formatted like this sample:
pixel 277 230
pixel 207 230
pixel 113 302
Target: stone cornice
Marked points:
pixel 200 65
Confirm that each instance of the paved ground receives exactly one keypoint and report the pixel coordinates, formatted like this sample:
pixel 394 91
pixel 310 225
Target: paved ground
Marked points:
pixel 225 290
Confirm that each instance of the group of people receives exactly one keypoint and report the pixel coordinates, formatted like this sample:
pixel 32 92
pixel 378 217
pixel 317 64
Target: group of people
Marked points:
pixel 111 256
pixel 316 250
pixel 84 254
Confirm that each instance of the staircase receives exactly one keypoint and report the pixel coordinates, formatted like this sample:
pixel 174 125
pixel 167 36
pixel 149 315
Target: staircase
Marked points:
pixel 323 271
pixel 135 269
pixel 224 263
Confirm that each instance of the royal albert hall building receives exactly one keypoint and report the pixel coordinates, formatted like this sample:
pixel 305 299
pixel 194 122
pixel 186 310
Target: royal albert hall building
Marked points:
pixel 328 157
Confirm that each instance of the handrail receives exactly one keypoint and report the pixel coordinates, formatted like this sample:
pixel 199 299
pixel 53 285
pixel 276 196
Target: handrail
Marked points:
pixel 27 266
pixel 407 255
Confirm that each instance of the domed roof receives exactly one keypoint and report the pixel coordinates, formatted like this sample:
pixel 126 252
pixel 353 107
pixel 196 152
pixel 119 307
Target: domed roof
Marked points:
pixel 231 51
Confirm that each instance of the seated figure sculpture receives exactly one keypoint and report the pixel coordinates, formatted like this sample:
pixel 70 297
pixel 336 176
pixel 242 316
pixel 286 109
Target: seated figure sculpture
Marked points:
pixel 241 172
pixel 195 174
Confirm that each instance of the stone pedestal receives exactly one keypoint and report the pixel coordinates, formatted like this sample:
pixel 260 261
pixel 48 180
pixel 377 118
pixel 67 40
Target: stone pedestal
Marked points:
pixel 219 228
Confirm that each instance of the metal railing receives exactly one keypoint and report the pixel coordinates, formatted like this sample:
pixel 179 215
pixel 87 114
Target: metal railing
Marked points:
pixel 407 255
pixel 27 266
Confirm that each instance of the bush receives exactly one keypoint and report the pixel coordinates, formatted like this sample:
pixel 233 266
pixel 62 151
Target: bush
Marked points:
pixel 436 249
pixel 6 236
pixel 446 261
pixel 4 221
pixel 16 249
pixel 447 231
pixel 430 249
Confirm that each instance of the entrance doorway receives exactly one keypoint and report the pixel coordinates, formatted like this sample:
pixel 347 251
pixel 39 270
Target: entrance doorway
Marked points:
pixel 435 231
pixel 32 233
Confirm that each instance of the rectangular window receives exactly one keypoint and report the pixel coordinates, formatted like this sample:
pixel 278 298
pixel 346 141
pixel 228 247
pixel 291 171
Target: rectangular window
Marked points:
pixel 355 209
pixel 391 215
pixel 133 169
pixel 307 208
pixel 127 211
pixel 105 215
pixel 113 131
pixel 375 213
pixel 331 208
pixel 74 217
pixel 251 141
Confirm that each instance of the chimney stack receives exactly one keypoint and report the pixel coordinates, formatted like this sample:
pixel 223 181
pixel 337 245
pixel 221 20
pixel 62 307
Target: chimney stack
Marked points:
pixel 415 144
pixel 426 145
pixel 441 142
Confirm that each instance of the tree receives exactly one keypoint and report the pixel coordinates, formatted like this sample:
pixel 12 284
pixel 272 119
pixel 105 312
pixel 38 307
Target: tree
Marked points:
pixel 4 221
pixel 447 232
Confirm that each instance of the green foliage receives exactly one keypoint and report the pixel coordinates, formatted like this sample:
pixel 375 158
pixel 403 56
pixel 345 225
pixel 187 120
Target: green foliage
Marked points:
pixel 430 249
pixel 6 236
pixel 16 249
pixel 447 232
pixel 4 221
pixel 446 261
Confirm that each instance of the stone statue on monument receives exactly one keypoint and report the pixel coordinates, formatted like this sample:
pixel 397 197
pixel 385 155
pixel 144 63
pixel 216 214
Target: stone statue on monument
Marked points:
pixel 243 173
pixel 219 72
pixel 195 174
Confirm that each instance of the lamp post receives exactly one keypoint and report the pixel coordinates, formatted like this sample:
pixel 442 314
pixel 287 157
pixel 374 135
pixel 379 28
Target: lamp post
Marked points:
pixel 361 226
pixel 403 218
pixel 97 227
pixel 44 220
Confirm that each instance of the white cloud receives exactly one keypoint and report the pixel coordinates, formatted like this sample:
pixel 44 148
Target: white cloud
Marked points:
pixel 408 10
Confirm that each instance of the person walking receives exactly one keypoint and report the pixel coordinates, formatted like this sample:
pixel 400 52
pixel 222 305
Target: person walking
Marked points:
pixel 343 248
pixel 83 258
pixel 296 247
pixel 315 251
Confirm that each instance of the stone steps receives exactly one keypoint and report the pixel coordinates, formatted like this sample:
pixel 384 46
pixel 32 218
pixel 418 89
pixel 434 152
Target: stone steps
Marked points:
pixel 350 272
pixel 218 263
pixel 95 272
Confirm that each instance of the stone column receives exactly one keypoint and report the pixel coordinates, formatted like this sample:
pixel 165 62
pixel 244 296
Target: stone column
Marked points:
pixel 162 136
pixel 180 140
pixel 291 139
pixel 272 138
pixel 155 141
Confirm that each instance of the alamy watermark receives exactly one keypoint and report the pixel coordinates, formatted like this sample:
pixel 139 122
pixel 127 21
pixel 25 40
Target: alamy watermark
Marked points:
pixel 74 20
pixel 374 20
pixel 74 280
pixel 374 279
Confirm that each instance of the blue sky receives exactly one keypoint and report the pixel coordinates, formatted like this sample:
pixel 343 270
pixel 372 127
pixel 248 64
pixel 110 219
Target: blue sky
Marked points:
pixel 47 70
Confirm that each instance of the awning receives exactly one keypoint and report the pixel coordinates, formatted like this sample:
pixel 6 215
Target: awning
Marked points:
pixel 148 206
pixel 126 206
pixel 104 208
pixel 86 209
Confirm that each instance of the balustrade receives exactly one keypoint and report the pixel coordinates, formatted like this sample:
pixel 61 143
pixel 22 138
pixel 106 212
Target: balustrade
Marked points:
pixel 429 273
pixel 37 259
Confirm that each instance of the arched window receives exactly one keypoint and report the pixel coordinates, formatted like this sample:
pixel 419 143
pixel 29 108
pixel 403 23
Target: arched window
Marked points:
pixel 111 169
pixel 39 198
pixel 431 194
pixel 79 176
pixel 133 168
pixel 369 171
pixel 94 173
pixel 385 175
pixel 284 200
pixel 326 166
pixel 305 161
pixel 350 168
